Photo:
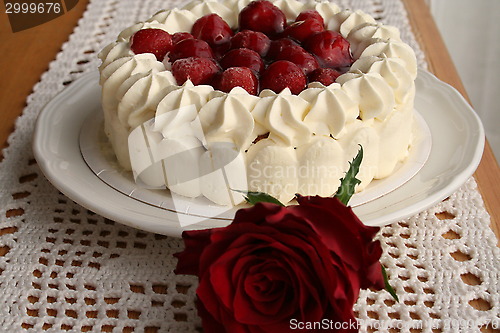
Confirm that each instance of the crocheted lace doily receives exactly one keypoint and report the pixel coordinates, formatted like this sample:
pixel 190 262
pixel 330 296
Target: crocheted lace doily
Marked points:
pixel 64 268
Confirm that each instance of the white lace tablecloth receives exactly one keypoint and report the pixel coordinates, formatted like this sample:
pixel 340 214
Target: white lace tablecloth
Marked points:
pixel 64 268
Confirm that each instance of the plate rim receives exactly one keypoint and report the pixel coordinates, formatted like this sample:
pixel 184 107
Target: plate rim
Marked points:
pixel 149 222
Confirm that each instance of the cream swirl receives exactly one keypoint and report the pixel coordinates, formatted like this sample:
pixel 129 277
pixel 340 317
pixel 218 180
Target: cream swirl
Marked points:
pixel 200 8
pixel 113 51
pixel 222 118
pixel 236 6
pixel 394 49
pixel 291 8
pixel 326 9
pixel 362 36
pixel 374 95
pixel 185 95
pixel 112 77
pixel 174 20
pixel 392 70
pixel 347 20
pixel 282 116
pixel 115 73
pixel 140 94
pixel 328 120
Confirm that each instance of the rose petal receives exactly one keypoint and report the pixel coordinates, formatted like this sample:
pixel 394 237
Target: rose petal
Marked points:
pixel 195 242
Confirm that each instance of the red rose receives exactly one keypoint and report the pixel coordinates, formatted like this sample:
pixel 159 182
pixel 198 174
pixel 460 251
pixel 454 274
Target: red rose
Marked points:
pixel 275 264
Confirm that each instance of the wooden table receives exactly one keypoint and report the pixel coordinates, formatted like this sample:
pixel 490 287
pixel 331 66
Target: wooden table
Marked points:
pixel 25 55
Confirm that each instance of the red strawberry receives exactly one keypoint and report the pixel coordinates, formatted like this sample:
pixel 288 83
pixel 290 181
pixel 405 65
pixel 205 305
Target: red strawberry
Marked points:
pixel 263 16
pixel 283 74
pixel 242 58
pixel 252 40
pixel 326 76
pixel 331 49
pixel 179 36
pixel 302 29
pixel 221 49
pixel 310 14
pixel 155 41
pixel 277 47
pixel 300 57
pixel 212 29
pixel 191 48
pixel 238 77
pixel 198 70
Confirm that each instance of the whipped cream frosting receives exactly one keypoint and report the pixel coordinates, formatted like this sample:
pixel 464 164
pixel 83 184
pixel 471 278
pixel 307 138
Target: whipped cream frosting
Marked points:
pixel 277 143
pixel 346 20
pixel 222 118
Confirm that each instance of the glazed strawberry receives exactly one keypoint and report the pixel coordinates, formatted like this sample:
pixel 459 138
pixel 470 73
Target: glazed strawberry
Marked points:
pixel 283 74
pixel 179 36
pixel 242 58
pixel 221 49
pixel 310 14
pixel 296 54
pixel 301 30
pixel 212 29
pixel 262 16
pixel 277 47
pixel 198 70
pixel 238 77
pixel 155 41
pixel 331 49
pixel 325 76
pixel 252 40
pixel 191 48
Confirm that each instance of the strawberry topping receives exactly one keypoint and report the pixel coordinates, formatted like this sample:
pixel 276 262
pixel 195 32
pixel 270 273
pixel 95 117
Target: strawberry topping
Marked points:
pixel 179 36
pixel 264 53
pixel 243 58
pixel 300 57
pixel 191 48
pixel 301 30
pixel 283 74
pixel 331 49
pixel 310 14
pixel 238 77
pixel 325 76
pixel 155 41
pixel 263 16
pixel 198 70
pixel 212 29
pixel 252 40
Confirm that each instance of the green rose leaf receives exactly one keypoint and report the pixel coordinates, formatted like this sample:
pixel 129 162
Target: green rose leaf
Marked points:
pixel 349 182
pixel 255 197
pixel 388 286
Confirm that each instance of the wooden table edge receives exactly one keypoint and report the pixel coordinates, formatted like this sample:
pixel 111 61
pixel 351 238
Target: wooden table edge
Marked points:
pixel 425 29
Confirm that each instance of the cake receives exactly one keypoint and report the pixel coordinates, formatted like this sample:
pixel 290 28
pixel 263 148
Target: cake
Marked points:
pixel 245 111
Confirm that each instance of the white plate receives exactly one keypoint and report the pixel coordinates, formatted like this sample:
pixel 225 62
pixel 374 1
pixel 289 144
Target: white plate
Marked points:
pixel 457 146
